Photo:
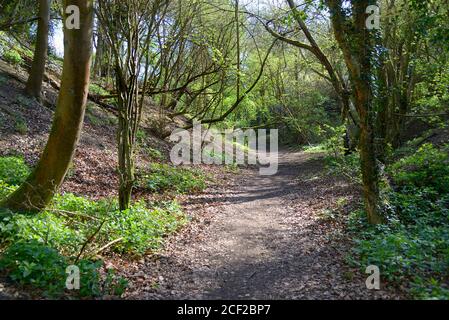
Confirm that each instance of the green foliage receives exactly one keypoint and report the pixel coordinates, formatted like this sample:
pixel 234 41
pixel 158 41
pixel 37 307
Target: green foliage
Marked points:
pixel 408 254
pixel 162 178
pixel 3 80
pixel 45 228
pixel 24 101
pixel 5 189
pixel 13 57
pixel 21 126
pixel 36 265
pixel 428 167
pixel 155 154
pixel 338 163
pixel 13 170
pixel 41 246
pixel 141 135
pixel 412 248
pixel 42 267
pixel 143 229
pixel 71 221
pixel 114 285
pixel 97 117
pixel 97 90
pixel 348 166
pixel 319 148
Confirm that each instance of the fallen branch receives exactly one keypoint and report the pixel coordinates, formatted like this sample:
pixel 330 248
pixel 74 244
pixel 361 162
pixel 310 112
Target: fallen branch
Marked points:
pixel 110 244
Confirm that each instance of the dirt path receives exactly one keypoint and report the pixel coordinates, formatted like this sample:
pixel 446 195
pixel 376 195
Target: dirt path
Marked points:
pixel 264 240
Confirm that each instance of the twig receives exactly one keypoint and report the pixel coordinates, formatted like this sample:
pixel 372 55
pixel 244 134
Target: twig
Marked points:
pixel 91 238
pixel 108 245
pixel 64 212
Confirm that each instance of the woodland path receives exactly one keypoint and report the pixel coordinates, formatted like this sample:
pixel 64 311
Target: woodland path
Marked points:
pixel 261 239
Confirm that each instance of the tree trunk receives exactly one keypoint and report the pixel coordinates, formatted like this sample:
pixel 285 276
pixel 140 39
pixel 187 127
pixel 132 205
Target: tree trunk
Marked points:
pixel 36 193
pixel 127 128
pixel 34 84
pixel 356 43
pixel 369 166
pixel 125 157
pixel 99 58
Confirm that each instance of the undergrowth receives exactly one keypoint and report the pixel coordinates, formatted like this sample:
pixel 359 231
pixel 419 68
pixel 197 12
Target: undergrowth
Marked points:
pixel 165 178
pixel 412 248
pixel 37 248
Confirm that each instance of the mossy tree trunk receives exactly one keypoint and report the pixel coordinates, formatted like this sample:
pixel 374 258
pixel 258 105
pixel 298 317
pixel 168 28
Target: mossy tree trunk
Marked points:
pixel 34 84
pixel 357 44
pixel 128 119
pixel 38 190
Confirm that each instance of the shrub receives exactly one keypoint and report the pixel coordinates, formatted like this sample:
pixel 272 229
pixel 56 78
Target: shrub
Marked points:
pixel 24 101
pixel 155 154
pixel 348 166
pixel 162 177
pixel 13 57
pixel 5 189
pixel 98 90
pixel 41 246
pixel 143 229
pixel 21 126
pixel 428 167
pixel 71 221
pixel 36 265
pixel 411 255
pixel 42 267
pixel 44 228
pixel 13 170
pixel 412 248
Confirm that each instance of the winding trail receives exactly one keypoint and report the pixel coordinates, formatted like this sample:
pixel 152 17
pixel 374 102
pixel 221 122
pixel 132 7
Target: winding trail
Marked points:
pixel 262 238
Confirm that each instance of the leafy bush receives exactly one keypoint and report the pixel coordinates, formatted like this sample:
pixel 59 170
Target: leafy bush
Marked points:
pixel 24 101
pixel 413 248
pixel 5 189
pixel 21 126
pixel 411 255
pixel 97 117
pixel 41 246
pixel 71 221
pixel 348 166
pixel 155 154
pixel 37 265
pixel 44 228
pixel 12 56
pixel 98 90
pixel 428 167
pixel 338 163
pixel 143 229
pixel 318 148
pixel 31 263
pixel 13 170
pixel 162 177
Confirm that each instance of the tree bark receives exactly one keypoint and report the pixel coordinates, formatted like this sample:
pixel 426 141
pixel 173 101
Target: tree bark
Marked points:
pixel 38 190
pixel 34 84
pixel 356 43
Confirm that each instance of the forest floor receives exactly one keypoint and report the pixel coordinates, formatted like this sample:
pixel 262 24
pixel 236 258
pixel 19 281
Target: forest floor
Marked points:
pixel 261 237
pixel 250 236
